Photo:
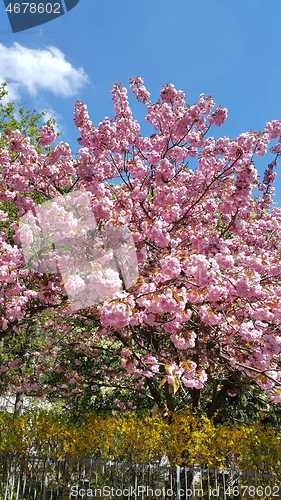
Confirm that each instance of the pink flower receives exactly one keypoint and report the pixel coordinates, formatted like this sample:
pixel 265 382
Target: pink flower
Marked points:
pixel 184 341
pixel 218 117
pixel 116 313
pixel 47 136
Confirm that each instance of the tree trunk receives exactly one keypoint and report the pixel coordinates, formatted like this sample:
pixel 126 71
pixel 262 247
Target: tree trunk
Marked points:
pixel 19 403
pixel 220 396
pixel 1 362
pixel 169 398
pixel 1 350
pixel 195 397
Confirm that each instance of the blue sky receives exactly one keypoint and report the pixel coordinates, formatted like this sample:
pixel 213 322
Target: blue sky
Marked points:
pixel 228 49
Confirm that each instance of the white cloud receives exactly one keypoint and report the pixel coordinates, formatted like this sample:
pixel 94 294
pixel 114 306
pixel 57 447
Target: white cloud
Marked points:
pixel 39 70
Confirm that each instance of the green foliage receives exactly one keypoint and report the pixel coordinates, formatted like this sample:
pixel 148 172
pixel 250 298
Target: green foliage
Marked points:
pixel 97 393
pixel 28 122
pixel 249 405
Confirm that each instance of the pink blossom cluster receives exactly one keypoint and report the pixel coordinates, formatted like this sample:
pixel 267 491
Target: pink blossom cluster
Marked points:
pixel 48 136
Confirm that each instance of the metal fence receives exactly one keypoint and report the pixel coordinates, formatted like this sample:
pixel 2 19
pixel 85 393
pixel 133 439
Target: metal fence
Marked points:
pixel 44 478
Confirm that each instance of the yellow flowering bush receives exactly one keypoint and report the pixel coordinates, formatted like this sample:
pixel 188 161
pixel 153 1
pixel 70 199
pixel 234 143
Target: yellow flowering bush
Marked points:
pixel 186 439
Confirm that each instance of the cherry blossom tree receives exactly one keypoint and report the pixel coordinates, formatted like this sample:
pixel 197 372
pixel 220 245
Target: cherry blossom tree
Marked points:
pixel 28 123
pixel 199 316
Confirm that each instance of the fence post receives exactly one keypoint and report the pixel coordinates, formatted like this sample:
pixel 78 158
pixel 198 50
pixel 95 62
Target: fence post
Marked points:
pixel 178 482
pixel 46 479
